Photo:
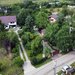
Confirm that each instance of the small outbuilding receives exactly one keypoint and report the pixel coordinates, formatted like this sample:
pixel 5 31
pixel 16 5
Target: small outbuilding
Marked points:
pixel 53 18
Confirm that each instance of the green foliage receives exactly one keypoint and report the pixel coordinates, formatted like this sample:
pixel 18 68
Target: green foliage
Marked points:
pixel 27 3
pixel 29 23
pixel 60 19
pixel 14 71
pixel 2 67
pixel 36 45
pixel 10 2
pixel 63 38
pixel 41 19
pixel 3 36
pixel 4 63
pixel 33 45
pixel 51 30
pixel 13 38
pixel 17 61
pixel 8 39
pixel 26 37
pixel 34 60
pixel 73 64
pixel 8 68
pixel 22 16
pixel 60 37
pixel 15 9
pixel 65 10
pixel 15 50
pixel 1 27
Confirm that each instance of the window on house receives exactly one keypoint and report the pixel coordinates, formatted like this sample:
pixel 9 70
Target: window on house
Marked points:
pixel 52 19
pixel 12 22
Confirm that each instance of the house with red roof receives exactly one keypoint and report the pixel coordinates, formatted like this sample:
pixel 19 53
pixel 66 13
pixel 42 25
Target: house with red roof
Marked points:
pixel 8 21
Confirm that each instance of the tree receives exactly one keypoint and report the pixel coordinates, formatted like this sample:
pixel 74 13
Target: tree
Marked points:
pixel 51 30
pixel 17 61
pixel 64 10
pixel 64 39
pixel 60 19
pixel 1 27
pixel 29 22
pixel 26 37
pixel 60 37
pixel 15 9
pixel 41 19
pixel 2 34
pixel 14 37
pixel 22 16
pixel 27 3
pixel 36 45
pixel 10 42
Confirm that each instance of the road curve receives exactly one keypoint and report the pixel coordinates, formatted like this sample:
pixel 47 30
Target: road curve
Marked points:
pixel 48 69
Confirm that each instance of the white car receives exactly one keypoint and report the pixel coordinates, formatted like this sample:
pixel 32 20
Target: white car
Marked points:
pixel 65 68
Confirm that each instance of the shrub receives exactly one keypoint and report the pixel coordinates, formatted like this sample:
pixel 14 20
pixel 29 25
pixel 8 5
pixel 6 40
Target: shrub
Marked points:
pixel 17 61
pixel 2 67
pixel 34 60
pixel 73 64
pixel 15 50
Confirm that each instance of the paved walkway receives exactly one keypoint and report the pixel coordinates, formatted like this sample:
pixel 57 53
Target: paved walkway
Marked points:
pixel 21 54
pixel 48 69
pixel 27 66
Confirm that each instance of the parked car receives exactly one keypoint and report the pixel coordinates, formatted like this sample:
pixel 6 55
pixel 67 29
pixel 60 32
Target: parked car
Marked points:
pixel 65 68
pixel 70 71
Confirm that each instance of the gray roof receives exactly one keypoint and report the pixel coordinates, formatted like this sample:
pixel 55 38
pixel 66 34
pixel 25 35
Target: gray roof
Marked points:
pixel 55 16
pixel 7 19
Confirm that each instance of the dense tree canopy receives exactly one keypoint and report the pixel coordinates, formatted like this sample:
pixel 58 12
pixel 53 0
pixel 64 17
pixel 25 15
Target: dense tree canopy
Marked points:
pixel 61 37
pixel 29 22
pixel 29 4
pixel 22 16
pixel 36 45
pixel 41 19
pixel 51 30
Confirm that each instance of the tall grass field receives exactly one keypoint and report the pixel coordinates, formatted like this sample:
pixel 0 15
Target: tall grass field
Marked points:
pixel 8 2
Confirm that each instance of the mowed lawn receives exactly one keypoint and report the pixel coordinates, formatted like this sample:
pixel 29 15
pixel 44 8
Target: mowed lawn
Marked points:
pixel 8 2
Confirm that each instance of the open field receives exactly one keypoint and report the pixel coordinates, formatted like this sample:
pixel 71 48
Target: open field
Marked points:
pixel 8 2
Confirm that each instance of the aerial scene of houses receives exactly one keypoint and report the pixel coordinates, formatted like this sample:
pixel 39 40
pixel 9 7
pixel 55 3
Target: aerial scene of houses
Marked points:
pixel 37 37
